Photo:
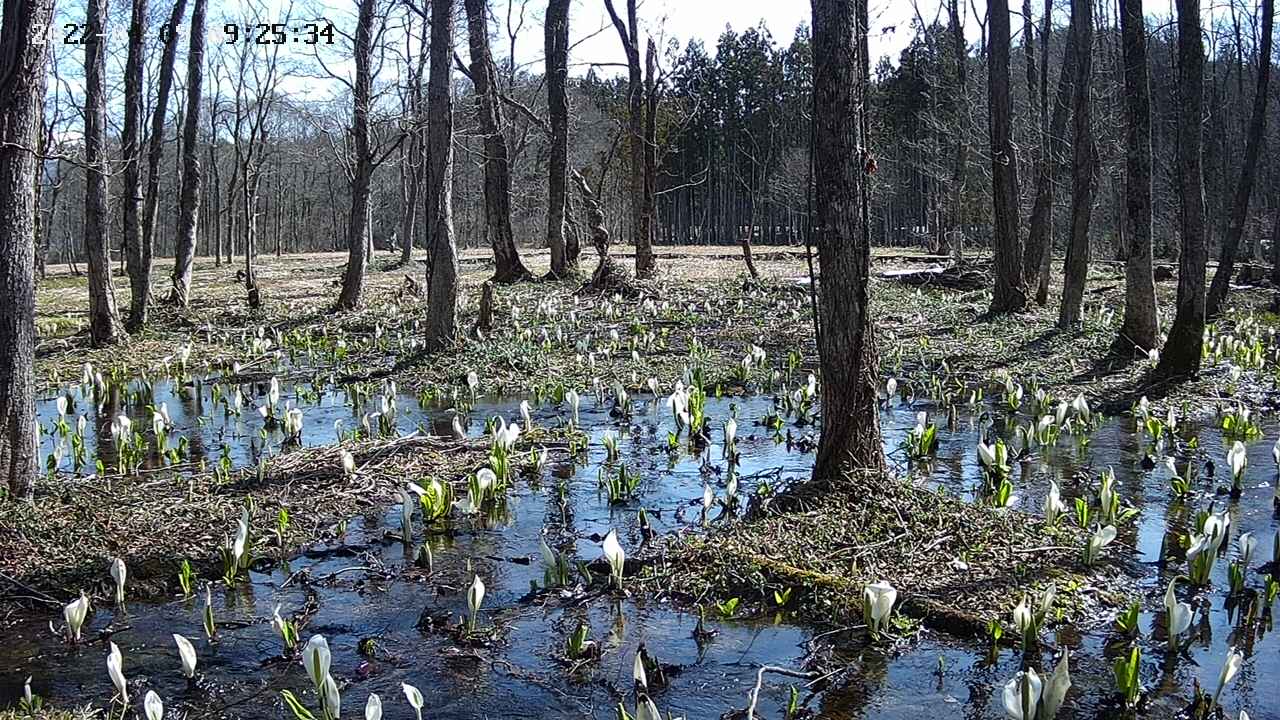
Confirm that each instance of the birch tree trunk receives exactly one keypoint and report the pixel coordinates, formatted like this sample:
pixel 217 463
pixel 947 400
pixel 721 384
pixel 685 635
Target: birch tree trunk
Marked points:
pixel 97 222
pixel 23 53
pixel 1141 328
pixel 850 420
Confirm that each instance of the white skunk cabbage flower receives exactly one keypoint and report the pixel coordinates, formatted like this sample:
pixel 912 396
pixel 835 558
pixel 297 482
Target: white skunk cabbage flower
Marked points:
pixel 1248 543
pixel 1055 689
pixel 475 598
pixel 653 386
pixel 187 654
pixel 1101 538
pixel 473 381
pixel 891 388
pixel 708 497
pixel 877 603
pixel 1153 357
pixel 1275 452
pixel 62 405
pixel 414 696
pixel 152 706
pixel 574 400
pixel 525 415
pixel 332 698
pixel 1179 615
pixel 119 573
pixel 1237 458
pixel 730 435
pixel 273 393
pixel 316 659
pixel 1081 408
pixel 1229 669
pixel 115 670
pixel 638 672
pixel 1023 618
pixel 614 554
pixel 75 613
pixel 459 432
pixel 406 516
pixel 1022 694
pixel 646 709
pixel 548 555
pixel 348 463
pixel 373 707
pixel 1053 505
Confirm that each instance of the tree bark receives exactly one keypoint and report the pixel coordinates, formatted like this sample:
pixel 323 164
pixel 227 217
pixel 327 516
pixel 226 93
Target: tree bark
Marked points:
pixel 497 165
pixel 155 149
pixel 131 148
pixel 442 270
pixel 649 205
pixel 629 34
pixel 850 420
pixel 1181 355
pixel 1244 186
pixel 23 52
pixel 189 195
pixel 960 160
pixel 1039 249
pixel 97 223
pixel 1075 270
pixel 1010 291
pixel 1141 328
pixel 362 166
pixel 556 32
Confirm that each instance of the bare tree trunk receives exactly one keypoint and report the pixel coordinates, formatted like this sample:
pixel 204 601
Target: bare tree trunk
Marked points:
pixel 497 166
pixel 1075 271
pixel 629 34
pixel 362 170
pixel 649 204
pixel 442 270
pixel 850 420
pixel 556 42
pixel 416 162
pixel 1010 292
pixel 131 148
pixel 97 223
pixel 1039 250
pixel 189 196
pixel 1181 354
pixel 1275 247
pixel 22 56
pixel 1141 328
pixel 960 162
pixel 1244 186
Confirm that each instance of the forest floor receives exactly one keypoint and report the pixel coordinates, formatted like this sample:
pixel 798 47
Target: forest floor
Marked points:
pixel 707 308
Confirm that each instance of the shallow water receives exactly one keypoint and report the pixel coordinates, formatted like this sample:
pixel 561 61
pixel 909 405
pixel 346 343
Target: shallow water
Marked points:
pixel 367 585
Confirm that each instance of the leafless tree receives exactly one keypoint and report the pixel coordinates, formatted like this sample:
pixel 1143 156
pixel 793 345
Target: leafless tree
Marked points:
pixel 1010 291
pixel 1141 327
pixel 97 222
pixel 189 198
pixel 1244 185
pixel 23 50
pixel 442 270
pixel 1083 162
pixel 1181 355
pixel 846 341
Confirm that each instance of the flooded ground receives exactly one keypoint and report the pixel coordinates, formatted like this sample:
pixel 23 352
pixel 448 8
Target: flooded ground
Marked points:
pixel 369 587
